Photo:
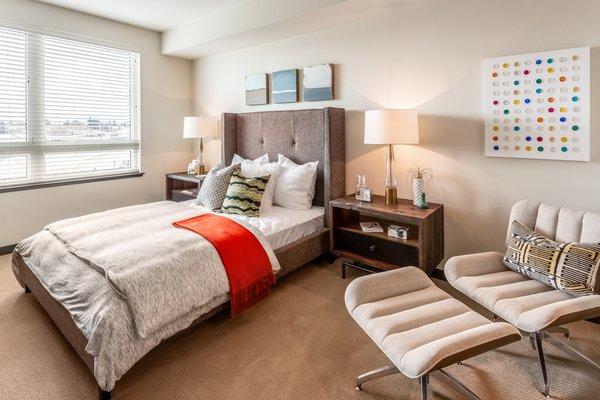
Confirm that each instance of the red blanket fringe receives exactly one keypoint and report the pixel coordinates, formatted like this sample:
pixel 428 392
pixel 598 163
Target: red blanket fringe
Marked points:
pixel 246 262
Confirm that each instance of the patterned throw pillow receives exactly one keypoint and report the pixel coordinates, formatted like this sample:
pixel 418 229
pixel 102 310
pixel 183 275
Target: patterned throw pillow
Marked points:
pixel 213 189
pixel 570 267
pixel 244 195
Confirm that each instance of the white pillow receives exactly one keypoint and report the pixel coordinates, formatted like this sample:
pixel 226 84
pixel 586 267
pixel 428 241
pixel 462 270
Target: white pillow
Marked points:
pixel 237 159
pixel 295 187
pixel 252 169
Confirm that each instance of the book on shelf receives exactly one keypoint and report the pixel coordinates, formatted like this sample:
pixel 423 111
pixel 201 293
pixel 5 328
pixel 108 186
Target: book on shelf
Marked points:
pixel 371 227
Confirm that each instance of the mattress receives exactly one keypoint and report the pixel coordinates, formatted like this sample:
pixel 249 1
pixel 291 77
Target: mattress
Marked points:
pixel 282 226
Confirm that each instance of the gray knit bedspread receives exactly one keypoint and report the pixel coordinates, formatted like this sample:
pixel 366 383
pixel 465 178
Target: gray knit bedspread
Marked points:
pixel 129 278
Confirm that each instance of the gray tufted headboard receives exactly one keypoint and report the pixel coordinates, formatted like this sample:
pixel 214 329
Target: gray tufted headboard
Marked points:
pixel 300 135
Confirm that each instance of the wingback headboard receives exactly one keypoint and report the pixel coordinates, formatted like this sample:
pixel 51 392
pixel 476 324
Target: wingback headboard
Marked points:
pixel 300 135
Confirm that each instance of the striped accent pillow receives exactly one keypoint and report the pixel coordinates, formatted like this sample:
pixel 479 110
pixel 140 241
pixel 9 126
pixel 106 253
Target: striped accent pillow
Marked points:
pixel 244 195
pixel 569 267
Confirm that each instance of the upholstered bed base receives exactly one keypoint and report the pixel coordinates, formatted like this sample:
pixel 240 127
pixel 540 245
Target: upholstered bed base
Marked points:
pixel 290 257
pixel 300 252
pixel 56 311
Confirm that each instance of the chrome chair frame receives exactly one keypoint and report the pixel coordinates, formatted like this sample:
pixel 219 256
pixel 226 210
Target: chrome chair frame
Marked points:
pixel 536 340
pixel 548 335
pixel 423 380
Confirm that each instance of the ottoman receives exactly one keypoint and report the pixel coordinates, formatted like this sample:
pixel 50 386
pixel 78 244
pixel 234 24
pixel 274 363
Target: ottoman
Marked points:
pixel 420 327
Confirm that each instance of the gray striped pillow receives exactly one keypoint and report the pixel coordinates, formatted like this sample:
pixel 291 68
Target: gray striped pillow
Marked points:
pixel 244 195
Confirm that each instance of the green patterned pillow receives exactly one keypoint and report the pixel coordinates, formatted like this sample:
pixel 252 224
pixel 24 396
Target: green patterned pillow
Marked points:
pixel 244 195
pixel 569 267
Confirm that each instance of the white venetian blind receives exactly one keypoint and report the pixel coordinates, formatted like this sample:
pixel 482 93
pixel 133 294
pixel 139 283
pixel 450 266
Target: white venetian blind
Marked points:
pixel 68 109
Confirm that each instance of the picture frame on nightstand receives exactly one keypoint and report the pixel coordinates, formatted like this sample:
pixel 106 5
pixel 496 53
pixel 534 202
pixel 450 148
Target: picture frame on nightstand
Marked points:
pixel 364 194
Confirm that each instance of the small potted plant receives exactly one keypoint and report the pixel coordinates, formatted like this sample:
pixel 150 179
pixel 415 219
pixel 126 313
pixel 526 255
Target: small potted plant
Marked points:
pixel 420 176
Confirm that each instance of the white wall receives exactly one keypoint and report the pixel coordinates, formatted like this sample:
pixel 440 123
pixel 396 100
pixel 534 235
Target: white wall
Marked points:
pixel 428 55
pixel 166 93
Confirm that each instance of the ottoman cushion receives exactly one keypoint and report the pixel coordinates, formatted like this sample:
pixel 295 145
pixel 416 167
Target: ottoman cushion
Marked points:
pixel 419 326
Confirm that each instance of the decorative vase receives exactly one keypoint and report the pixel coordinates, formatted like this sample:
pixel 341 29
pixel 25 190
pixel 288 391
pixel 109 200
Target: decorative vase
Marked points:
pixel 417 190
pixel 422 202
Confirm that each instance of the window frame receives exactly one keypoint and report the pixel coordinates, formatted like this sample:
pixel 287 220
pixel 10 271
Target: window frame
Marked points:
pixel 35 149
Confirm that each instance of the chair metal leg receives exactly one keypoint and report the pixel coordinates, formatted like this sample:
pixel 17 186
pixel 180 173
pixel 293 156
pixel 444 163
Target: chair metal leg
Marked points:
pixel 375 374
pixel 540 352
pixel 455 384
pixel 532 340
pixel 569 349
pixel 104 395
pixel 424 380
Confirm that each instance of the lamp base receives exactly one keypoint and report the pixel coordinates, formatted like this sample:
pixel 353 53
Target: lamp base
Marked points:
pixel 391 195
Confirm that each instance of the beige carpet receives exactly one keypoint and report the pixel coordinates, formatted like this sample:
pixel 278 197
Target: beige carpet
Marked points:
pixel 298 344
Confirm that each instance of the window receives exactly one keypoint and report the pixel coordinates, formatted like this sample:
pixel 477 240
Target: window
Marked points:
pixel 69 109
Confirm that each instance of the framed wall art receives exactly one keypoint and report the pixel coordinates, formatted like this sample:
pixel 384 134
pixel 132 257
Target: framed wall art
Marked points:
pixel 256 89
pixel 317 82
pixel 537 105
pixel 284 86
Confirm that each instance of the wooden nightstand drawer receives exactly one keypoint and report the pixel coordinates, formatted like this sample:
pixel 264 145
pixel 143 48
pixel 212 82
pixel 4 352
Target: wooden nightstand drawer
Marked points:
pixel 371 249
pixel 183 194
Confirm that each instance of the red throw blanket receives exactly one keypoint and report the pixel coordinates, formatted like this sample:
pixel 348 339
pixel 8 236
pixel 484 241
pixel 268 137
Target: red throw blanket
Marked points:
pixel 246 262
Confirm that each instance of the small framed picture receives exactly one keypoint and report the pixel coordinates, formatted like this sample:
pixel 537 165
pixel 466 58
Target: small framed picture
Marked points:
pixel 364 194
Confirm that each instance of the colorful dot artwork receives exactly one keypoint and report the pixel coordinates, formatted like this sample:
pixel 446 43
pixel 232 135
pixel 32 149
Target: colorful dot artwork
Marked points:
pixel 542 99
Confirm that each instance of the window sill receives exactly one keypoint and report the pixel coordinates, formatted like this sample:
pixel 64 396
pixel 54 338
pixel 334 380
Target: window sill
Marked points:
pixel 70 182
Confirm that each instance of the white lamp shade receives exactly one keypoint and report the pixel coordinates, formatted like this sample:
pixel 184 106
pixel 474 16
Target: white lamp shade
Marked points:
pixel 200 127
pixel 391 127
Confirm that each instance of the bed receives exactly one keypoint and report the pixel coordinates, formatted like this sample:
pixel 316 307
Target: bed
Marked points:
pixel 296 237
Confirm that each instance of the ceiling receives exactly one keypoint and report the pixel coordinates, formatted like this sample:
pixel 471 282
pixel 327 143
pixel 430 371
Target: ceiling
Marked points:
pixel 197 28
pixel 158 15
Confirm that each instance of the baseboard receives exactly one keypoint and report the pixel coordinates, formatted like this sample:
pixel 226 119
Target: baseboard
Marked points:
pixel 7 249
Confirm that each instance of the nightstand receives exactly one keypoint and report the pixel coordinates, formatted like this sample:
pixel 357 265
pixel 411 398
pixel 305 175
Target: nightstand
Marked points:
pixel 182 186
pixel 376 251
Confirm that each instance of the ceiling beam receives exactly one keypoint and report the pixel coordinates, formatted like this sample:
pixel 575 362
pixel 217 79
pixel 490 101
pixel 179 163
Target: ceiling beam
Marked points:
pixel 262 21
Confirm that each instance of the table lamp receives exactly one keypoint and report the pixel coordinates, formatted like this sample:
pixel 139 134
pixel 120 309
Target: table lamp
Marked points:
pixel 391 127
pixel 200 128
